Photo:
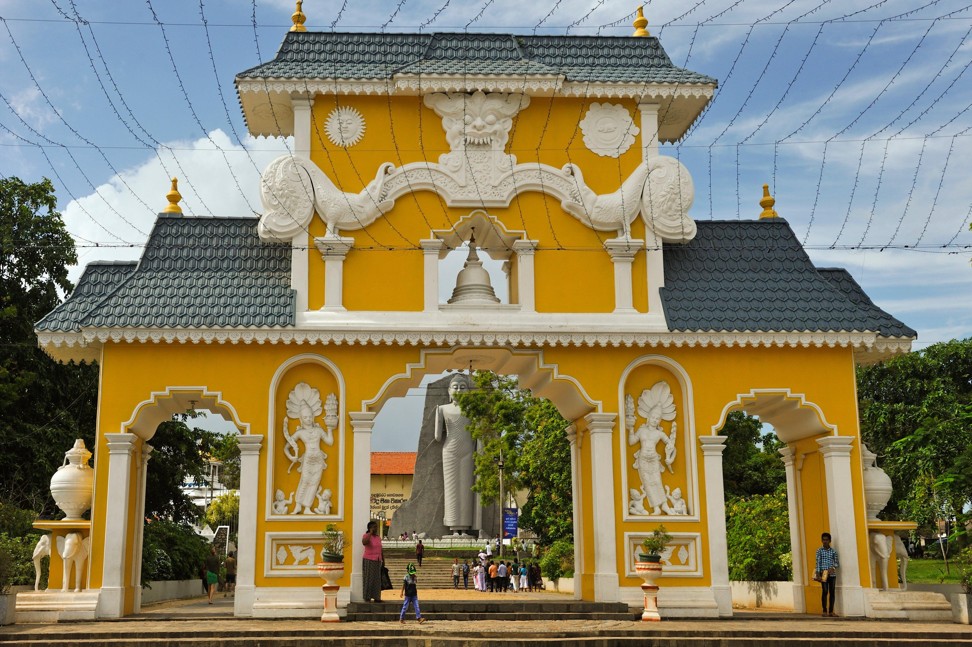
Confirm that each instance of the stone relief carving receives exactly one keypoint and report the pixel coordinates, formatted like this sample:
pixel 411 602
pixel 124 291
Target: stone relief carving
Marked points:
pixel 654 497
pixel 41 550
pixel 608 129
pixel 304 405
pixel 74 553
pixel 305 554
pixel 292 188
pixel 344 126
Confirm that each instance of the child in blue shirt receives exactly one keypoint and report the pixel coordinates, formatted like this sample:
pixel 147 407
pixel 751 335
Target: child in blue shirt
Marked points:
pixel 410 593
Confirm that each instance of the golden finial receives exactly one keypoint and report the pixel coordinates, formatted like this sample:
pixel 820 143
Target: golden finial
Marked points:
pixel 173 197
pixel 640 23
pixel 298 17
pixel 767 204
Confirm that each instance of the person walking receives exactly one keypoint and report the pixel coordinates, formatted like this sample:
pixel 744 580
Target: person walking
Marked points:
pixel 465 574
pixel 827 563
pixel 419 552
pixel 230 565
pixel 371 563
pixel 455 572
pixel 212 573
pixel 410 594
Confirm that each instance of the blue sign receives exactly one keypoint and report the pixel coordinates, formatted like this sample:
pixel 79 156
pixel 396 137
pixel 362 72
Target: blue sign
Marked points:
pixel 510 518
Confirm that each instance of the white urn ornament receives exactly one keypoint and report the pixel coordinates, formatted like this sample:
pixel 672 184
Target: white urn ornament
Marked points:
pixel 877 484
pixel 72 483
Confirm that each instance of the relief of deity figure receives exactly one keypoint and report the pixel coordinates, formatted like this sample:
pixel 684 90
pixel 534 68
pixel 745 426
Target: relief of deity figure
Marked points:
pixel 457 459
pixel 304 405
pixel 655 405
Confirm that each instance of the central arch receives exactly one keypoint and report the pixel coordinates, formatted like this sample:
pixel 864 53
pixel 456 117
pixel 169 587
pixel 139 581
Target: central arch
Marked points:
pixel 533 373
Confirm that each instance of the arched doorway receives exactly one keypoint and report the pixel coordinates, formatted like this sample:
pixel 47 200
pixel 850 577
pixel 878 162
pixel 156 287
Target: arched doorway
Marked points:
pixel 533 374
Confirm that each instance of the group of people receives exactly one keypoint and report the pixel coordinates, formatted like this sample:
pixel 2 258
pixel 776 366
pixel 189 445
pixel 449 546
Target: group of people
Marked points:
pixel 211 573
pixel 499 577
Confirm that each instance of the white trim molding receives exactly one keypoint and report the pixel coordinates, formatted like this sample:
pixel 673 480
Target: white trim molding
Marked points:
pixel 681 559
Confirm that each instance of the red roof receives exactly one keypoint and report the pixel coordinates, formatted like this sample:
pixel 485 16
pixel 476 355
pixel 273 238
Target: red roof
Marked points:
pixel 393 462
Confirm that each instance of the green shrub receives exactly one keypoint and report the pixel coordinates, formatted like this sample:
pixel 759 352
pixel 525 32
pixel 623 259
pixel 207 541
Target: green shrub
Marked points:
pixel 19 552
pixel 758 534
pixel 171 551
pixel 558 560
pixel 16 522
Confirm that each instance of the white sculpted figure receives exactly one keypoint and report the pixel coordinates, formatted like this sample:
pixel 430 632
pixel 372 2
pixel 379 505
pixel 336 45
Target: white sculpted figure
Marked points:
pixel 902 552
pixel 304 404
pixel 881 548
pixel 41 550
pixel 74 553
pixel 457 459
pixel 654 405
pixel 280 504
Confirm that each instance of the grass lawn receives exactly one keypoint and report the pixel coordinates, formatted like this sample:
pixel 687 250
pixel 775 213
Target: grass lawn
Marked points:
pixel 932 571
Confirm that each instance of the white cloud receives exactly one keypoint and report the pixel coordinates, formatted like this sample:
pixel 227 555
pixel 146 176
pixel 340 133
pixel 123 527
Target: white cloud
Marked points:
pixel 116 220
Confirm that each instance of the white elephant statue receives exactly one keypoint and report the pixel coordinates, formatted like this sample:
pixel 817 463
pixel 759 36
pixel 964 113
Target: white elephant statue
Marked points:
pixel 74 553
pixel 881 547
pixel 41 550
pixel 902 552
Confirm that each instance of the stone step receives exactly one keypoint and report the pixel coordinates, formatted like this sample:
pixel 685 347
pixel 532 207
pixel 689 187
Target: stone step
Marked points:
pixel 493 607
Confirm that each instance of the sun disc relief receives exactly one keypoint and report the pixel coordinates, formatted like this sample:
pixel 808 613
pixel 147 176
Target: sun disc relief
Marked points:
pixel 609 130
pixel 344 126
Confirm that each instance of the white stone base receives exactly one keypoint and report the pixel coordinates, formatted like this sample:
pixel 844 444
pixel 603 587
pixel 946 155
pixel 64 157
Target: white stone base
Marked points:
pixel 962 608
pixel 676 601
pixel 911 605
pixel 56 606
pixel 295 602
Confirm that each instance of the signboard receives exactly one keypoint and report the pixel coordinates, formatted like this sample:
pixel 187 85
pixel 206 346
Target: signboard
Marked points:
pixel 510 518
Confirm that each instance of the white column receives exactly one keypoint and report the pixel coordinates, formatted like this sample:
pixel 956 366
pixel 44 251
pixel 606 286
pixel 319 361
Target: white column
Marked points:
pixel 649 129
pixel 136 582
pixel 836 452
pixel 111 602
pixel 525 282
pixel 302 125
pixel 715 502
pixel 362 422
pixel 333 250
pixel 600 426
pixel 796 538
pixel 431 250
pixel 250 446
pixel 622 253
pixel 575 470
pixel 298 270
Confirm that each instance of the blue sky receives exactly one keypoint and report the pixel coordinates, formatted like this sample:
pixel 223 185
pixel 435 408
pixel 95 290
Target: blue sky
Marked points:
pixel 856 113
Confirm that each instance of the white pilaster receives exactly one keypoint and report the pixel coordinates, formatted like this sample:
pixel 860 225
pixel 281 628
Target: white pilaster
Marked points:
pixel 525 283
pixel 298 270
pixel 430 250
pixel 250 447
pixel 575 478
pixel 600 426
pixel 655 262
pixel 622 253
pixel 136 582
pixel 302 125
pixel 333 249
pixel 362 422
pixel 715 501
pixel 796 537
pixel 836 452
pixel 649 129
pixel 111 602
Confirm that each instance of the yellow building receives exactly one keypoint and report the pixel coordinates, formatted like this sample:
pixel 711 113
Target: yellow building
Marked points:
pixel 391 482
pixel 644 327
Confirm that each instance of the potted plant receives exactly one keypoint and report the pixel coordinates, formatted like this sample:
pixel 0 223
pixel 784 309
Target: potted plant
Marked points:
pixel 962 602
pixel 332 549
pixel 648 566
pixel 331 569
pixel 654 545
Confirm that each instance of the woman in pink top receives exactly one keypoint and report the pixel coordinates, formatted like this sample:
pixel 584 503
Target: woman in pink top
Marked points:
pixel 371 563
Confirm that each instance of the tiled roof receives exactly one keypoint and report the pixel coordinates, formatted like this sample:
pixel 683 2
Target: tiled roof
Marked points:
pixel 755 276
pixel 393 462
pixel 195 273
pixel 98 279
pixel 328 55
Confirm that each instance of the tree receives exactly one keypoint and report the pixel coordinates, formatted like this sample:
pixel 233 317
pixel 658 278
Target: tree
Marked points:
pixel 531 435
pixel 224 510
pixel 44 405
pixel 179 454
pixel 751 462
pixel 915 412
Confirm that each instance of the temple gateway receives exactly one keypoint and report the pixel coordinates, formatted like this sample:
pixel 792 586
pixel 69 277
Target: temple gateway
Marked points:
pixel 645 327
